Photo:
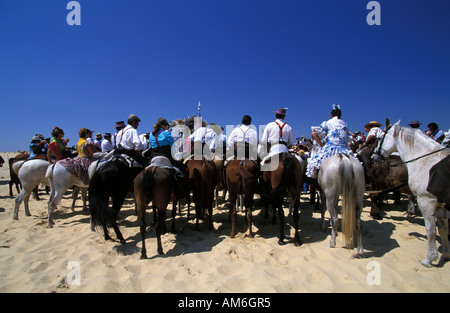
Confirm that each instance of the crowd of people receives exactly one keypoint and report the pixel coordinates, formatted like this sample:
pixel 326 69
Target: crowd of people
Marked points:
pixel 333 136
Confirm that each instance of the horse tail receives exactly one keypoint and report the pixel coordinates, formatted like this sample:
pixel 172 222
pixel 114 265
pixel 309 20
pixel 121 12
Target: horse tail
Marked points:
pixel 148 182
pixel 101 213
pixel 347 175
pixel 16 166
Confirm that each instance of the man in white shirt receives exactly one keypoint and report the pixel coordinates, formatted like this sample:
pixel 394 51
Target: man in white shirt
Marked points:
pixel 374 132
pixel 277 135
pixel 201 138
pixel 243 134
pixel 106 143
pixel 128 141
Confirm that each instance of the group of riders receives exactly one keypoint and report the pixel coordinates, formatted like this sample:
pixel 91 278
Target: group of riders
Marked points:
pixel 333 136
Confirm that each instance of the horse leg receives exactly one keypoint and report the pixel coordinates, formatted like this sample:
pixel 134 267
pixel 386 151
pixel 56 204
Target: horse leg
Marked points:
pixel 159 227
pixel 20 198
pixel 52 206
pixel 427 208
pixel 117 205
pixel 281 218
pixel 233 214
pixel 322 211
pixel 249 208
pixel 333 221
pixel 76 191
pixel 360 248
pixel 297 240
pixel 84 198
pixel 174 214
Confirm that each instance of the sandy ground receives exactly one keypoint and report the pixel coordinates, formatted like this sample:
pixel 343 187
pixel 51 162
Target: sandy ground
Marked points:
pixel 71 258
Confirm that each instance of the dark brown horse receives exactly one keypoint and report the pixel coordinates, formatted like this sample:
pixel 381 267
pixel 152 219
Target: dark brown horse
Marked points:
pixel 156 184
pixel 385 175
pixel 114 180
pixel 286 177
pixel 203 179
pixel 242 179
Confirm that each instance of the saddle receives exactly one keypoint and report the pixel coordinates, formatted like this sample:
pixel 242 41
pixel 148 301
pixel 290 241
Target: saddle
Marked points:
pixel 112 156
pixel 163 162
pixel 439 180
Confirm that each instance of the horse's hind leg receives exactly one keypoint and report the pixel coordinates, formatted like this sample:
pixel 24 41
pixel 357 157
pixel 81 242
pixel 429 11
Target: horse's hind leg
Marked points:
pixel 442 224
pixel 427 208
pixel 333 221
pixel 117 205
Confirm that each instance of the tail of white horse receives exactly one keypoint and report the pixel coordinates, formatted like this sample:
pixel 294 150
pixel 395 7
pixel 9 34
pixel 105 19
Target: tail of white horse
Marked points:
pixel 17 165
pixel 49 176
pixel 349 201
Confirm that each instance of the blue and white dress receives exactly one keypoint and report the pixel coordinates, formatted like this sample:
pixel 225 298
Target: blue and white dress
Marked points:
pixel 337 138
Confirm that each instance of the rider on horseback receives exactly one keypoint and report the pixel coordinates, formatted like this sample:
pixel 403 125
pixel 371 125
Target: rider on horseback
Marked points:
pixel 337 138
pixel 161 142
pixel 277 137
pixel 128 141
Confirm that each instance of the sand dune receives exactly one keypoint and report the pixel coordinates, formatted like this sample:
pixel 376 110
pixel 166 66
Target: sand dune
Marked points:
pixel 71 258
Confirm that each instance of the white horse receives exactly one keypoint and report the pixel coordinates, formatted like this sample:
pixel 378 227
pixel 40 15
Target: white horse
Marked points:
pixel 60 180
pixel 342 174
pixel 31 173
pixel 419 153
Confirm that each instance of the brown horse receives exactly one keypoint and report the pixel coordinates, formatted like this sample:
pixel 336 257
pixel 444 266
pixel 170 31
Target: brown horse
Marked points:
pixel 242 179
pixel 286 177
pixel 156 184
pixel 385 175
pixel 203 179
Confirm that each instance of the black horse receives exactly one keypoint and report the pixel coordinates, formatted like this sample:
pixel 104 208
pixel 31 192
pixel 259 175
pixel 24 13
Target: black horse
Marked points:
pixel 113 180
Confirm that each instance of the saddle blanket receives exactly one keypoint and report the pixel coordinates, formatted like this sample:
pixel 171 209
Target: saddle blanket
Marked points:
pixel 78 167
pixel 275 150
pixel 163 162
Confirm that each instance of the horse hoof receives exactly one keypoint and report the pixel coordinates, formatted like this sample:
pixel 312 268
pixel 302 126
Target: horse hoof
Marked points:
pixel 144 257
pixel 123 241
pixel 281 242
pixel 426 263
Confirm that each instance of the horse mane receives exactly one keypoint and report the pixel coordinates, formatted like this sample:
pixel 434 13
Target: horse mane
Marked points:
pixel 415 138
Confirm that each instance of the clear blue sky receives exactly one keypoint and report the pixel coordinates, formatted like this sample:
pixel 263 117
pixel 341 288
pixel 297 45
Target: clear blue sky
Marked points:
pixel 158 58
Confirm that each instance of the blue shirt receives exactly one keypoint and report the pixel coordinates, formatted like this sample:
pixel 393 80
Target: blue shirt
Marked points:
pixel 163 138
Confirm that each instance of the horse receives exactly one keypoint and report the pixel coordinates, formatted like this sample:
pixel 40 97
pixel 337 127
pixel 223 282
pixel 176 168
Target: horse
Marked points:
pixel 14 180
pixel 60 179
pixel 156 184
pixel 342 174
pixel 31 173
pixel 387 174
pixel 202 178
pixel 420 154
pixel 287 176
pixel 113 179
pixel 242 179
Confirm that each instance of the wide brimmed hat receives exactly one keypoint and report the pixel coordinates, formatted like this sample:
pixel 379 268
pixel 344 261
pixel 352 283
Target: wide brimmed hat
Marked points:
pixel 373 123
pixel 280 111
pixel 415 123
pixel 120 124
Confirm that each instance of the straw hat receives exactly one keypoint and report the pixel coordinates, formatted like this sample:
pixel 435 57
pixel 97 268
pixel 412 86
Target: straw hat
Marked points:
pixel 372 124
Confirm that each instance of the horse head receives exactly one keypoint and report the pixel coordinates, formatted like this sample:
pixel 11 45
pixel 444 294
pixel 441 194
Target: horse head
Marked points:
pixel 387 145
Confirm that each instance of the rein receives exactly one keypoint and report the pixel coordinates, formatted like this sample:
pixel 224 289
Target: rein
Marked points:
pixel 418 158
